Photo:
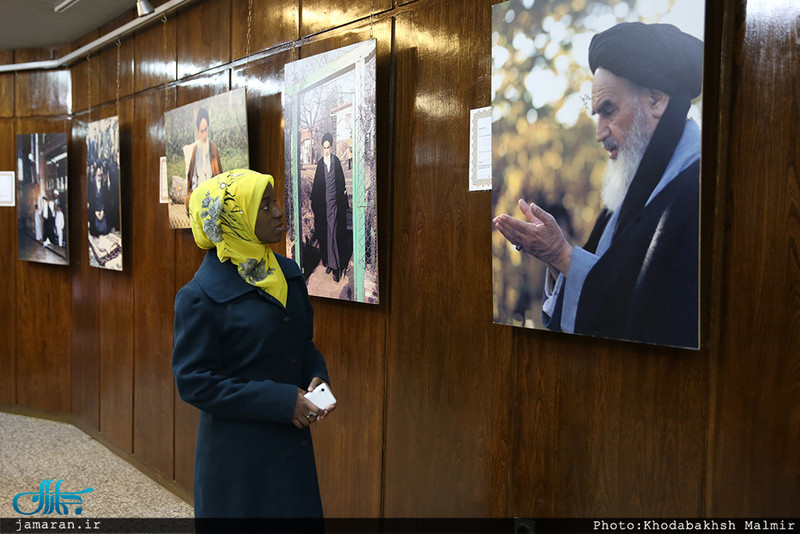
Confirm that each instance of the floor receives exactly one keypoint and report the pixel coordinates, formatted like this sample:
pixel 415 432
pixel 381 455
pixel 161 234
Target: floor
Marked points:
pixel 34 450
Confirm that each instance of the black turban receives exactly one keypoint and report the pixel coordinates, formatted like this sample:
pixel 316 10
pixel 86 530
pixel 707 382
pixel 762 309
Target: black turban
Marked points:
pixel 656 56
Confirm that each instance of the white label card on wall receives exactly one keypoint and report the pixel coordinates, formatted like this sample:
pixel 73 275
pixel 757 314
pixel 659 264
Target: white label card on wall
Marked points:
pixel 480 149
pixel 7 188
pixel 162 181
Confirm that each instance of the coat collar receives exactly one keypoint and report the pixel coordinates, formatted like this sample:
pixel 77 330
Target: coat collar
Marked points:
pixel 221 281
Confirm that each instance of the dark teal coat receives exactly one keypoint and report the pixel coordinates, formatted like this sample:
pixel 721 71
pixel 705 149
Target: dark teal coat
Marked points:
pixel 239 357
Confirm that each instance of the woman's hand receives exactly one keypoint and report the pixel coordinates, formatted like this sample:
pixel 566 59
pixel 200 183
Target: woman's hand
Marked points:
pixel 305 412
pixel 316 381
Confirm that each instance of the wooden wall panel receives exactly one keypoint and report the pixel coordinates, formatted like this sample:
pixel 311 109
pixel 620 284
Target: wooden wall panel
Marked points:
pixel 612 430
pixel 113 76
pixel 320 15
pixel 198 48
pixel 6 85
pixel 114 290
pixel 43 93
pixel 448 367
pixel 85 78
pixel 27 55
pixel 43 332
pixel 115 304
pixel 756 457
pixel 152 258
pixel 272 22
pixel 155 52
pixel 263 81
pixel 8 267
pixel 85 310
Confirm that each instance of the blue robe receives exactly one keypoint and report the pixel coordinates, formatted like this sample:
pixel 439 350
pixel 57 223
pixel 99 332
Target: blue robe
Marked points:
pixel 641 284
pixel 239 356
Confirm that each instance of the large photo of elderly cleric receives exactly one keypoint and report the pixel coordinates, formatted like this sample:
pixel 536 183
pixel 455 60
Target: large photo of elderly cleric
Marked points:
pixel 596 167
pixel 330 159
pixel 42 216
pixel 103 194
pixel 204 138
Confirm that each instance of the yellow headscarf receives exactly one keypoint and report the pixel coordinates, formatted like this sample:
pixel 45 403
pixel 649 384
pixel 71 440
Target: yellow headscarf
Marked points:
pixel 223 213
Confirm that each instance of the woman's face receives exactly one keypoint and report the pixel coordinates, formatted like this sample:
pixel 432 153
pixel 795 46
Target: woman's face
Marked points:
pixel 269 221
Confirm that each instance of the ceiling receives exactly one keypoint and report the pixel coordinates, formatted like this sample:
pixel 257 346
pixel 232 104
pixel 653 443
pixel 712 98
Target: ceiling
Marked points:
pixel 34 24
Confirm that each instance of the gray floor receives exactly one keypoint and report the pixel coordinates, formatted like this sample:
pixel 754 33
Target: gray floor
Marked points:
pixel 33 450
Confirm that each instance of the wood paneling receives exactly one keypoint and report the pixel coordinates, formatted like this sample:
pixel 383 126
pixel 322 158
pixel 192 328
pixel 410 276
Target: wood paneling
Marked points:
pixel 320 15
pixel 8 267
pixel 263 81
pixel 204 36
pixel 152 261
pixel 272 22
pixel 6 85
pixel 115 304
pixel 85 76
pixel 606 430
pixel 448 368
pixel 155 52
pixel 114 74
pixel 27 55
pixel 85 288
pixel 43 93
pixel 442 413
pixel 756 457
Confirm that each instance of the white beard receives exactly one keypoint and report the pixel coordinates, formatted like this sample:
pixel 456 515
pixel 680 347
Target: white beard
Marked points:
pixel 620 172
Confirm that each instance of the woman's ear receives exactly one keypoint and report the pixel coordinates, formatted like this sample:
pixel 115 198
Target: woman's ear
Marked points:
pixel 657 103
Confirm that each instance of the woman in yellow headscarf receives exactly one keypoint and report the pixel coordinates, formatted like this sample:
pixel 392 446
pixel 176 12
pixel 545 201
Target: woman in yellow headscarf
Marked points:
pixel 244 355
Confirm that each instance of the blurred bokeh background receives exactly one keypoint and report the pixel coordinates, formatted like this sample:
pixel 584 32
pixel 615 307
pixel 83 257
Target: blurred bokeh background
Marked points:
pixel 543 134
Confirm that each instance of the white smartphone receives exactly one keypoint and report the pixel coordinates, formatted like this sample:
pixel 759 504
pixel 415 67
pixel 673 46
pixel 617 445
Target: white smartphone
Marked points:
pixel 321 396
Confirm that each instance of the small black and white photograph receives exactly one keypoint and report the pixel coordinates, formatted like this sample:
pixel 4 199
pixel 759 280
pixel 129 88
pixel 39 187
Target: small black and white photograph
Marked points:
pixel 42 198
pixel 331 215
pixel 103 194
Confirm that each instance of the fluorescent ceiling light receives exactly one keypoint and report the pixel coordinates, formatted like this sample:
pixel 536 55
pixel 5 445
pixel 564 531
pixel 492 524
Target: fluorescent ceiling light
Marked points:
pixel 64 5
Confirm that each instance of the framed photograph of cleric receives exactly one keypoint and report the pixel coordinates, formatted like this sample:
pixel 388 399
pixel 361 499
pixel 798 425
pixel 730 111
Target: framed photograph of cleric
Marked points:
pixel 42 221
pixel 204 138
pixel 103 194
pixel 331 215
pixel 596 110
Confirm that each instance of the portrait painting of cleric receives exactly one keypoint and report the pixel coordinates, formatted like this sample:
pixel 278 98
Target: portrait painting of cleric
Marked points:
pixel 204 139
pixel 41 190
pixel 103 194
pixel 596 167
pixel 329 112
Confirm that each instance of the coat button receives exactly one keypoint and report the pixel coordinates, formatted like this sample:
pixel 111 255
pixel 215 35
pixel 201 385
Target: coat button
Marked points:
pixel 292 361
pixel 305 443
pixel 286 320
